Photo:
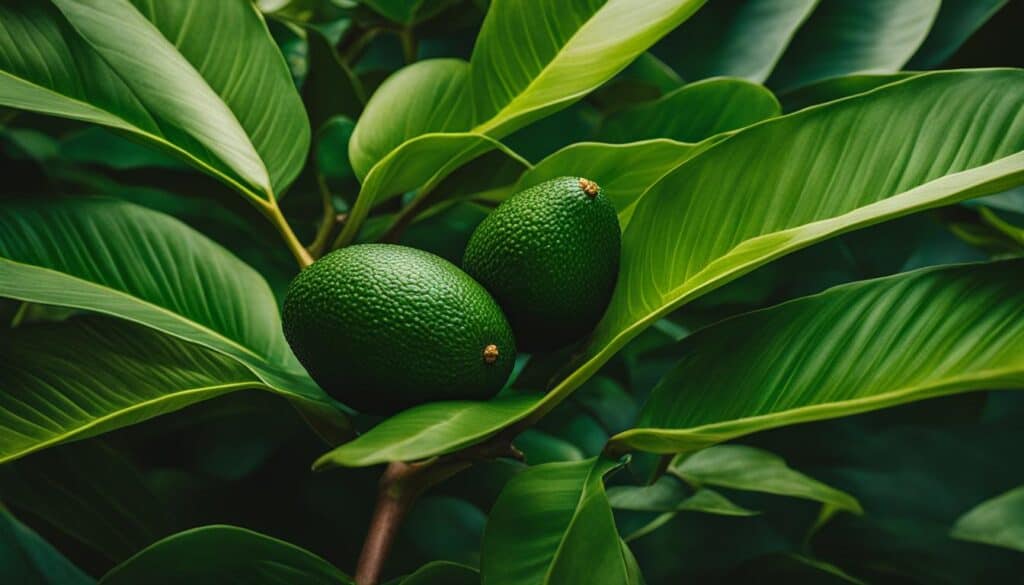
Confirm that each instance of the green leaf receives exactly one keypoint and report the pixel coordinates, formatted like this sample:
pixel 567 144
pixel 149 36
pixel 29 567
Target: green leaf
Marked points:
pixel 203 80
pixel 668 494
pixel 863 36
pixel 90 375
pixel 224 554
pixel 28 559
pixel 738 38
pixel 998 521
pixel 564 51
pixel 391 118
pixel 624 171
pixel 126 261
pixel 851 349
pixel 89 491
pixel 694 112
pixel 747 468
pixel 430 429
pixel 956 22
pixel 552 524
pixel 424 160
pixel 809 176
pixel 442 573
pixel 540 447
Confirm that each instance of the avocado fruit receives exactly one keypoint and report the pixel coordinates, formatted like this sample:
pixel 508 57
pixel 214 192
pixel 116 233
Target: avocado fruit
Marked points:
pixel 550 256
pixel 383 327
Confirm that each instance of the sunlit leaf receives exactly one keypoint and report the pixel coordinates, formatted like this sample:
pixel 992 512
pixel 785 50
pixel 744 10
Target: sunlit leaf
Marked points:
pixel 203 80
pixel 133 263
pixel 693 112
pixel 854 348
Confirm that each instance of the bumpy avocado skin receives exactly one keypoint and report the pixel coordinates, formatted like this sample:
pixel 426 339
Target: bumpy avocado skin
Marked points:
pixel 383 327
pixel 550 256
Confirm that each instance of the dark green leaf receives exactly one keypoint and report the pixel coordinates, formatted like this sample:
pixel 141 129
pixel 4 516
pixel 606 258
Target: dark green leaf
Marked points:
pixel 91 492
pixel 224 554
pixel 956 22
pixel 552 524
pixel 27 559
pixel 854 36
pixel 998 521
pixel 738 38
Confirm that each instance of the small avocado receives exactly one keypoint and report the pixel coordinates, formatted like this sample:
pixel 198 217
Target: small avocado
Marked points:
pixel 383 327
pixel 550 256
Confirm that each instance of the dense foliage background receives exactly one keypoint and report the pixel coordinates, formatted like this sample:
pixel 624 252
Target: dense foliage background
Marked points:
pixel 876 497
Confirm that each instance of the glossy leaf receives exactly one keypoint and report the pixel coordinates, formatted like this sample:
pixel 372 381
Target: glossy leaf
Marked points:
pixel 215 554
pixel 552 524
pixel 429 429
pixel 27 558
pixel 998 521
pixel 740 467
pixel 391 118
pixel 694 112
pixel 854 36
pixel 203 80
pixel 87 376
pixel 126 261
pixel 738 38
pixel 624 171
pixel 956 22
pixel 809 176
pixel 851 349
pixel 566 49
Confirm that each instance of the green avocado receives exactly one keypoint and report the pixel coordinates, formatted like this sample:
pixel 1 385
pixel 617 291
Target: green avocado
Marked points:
pixel 550 256
pixel 383 327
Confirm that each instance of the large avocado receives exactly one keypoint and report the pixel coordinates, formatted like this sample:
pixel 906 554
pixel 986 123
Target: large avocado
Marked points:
pixel 383 327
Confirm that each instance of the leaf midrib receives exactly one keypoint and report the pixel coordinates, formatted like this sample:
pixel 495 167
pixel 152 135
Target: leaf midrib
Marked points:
pixel 148 304
pixel 950 383
pixel 126 125
pixel 137 406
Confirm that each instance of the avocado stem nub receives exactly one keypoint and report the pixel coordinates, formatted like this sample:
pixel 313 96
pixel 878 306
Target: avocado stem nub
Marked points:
pixel 491 354
pixel 589 187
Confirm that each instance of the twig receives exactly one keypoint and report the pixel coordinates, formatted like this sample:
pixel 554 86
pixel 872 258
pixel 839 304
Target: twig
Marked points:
pixel 400 486
pixel 327 222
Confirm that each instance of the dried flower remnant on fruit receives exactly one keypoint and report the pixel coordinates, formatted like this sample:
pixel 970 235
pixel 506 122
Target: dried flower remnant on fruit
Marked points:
pixel 491 353
pixel 589 187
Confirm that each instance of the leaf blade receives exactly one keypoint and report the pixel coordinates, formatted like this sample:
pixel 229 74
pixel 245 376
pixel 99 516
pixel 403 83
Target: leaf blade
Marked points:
pixel 916 333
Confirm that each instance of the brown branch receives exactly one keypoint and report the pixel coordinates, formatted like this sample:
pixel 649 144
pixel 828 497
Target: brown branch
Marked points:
pixel 400 486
